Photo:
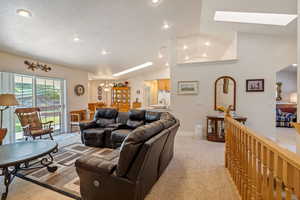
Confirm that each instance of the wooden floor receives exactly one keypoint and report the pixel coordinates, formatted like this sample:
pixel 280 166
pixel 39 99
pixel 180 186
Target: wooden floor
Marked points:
pixel 196 173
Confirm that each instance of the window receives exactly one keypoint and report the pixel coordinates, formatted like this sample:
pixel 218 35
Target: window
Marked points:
pixel 49 99
pixel 23 88
pixel 45 93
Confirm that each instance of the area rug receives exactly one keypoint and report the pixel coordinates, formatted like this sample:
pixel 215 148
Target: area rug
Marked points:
pixel 65 180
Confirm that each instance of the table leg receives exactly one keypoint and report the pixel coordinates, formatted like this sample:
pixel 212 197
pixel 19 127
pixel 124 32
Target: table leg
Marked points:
pixel 7 181
pixel 46 162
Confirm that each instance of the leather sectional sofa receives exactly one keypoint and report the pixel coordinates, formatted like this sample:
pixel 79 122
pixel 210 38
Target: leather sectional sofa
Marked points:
pixel 144 146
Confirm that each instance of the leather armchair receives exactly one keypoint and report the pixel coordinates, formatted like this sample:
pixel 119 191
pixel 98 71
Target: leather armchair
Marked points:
pixel 93 133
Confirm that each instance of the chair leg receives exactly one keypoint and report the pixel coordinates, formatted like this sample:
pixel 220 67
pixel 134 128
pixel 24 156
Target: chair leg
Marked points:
pixel 71 128
pixel 50 136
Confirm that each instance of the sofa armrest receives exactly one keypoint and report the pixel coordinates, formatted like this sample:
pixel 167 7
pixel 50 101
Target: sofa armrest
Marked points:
pixel 97 165
pixel 117 126
pixel 88 125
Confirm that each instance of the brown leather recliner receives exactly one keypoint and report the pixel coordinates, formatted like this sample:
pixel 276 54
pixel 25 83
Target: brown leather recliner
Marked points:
pixel 144 155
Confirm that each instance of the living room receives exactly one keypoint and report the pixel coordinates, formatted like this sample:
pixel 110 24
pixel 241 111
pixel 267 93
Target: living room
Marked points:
pixel 129 100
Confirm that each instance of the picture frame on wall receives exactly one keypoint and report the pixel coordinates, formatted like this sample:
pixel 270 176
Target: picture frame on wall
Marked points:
pixel 255 85
pixel 188 87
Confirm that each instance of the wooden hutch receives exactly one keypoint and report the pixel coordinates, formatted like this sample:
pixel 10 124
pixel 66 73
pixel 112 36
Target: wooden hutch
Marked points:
pixel 215 127
pixel 120 98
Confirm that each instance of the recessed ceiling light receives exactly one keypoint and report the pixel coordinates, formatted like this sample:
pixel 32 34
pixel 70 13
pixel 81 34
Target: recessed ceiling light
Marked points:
pixel 166 26
pixel 104 52
pixel 204 55
pixel 76 39
pixel 295 65
pixel 167 64
pixel 185 47
pixel 255 18
pixel 186 58
pixel 147 64
pixel 160 55
pixel 155 3
pixel 24 13
pixel 207 43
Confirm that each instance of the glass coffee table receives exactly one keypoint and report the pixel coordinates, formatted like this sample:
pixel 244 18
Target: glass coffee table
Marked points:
pixel 25 156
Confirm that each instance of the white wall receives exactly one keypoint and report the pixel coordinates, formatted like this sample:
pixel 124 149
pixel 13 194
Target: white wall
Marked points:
pixel 12 63
pixel 93 92
pixel 289 84
pixel 259 56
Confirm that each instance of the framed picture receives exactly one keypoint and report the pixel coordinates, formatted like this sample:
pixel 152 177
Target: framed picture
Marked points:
pixel 255 85
pixel 188 87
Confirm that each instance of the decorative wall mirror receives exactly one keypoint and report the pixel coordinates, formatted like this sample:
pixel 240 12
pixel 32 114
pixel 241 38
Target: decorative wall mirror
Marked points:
pixel 225 92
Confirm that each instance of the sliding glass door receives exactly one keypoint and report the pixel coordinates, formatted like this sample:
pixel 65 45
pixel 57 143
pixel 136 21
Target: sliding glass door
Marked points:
pixel 24 94
pixel 45 93
pixel 49 94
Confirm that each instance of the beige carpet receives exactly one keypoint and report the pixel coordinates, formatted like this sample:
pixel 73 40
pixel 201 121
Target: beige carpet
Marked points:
pixel 197 172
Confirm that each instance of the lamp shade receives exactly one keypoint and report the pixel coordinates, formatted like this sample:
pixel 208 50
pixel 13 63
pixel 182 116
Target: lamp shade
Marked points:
pixel 8 100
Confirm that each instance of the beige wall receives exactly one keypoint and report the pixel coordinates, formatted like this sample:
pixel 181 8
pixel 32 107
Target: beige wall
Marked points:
pixel 259 56
pixel 12 63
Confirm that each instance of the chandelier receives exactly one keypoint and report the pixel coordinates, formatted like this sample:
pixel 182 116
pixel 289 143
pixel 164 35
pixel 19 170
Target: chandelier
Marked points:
pixel 107 86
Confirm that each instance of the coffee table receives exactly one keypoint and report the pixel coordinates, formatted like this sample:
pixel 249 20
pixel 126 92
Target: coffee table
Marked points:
pixel 25 156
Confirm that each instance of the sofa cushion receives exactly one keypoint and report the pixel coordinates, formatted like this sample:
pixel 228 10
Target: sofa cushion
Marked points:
pixel 102 122
pixel 93 133
pixel 122 117
pixel 118 136
pixel 136 118
pixel 167 120
pixel 134 124
pixel 105 164
pixel 107 113
pixel 105 116
pixel 152 116
pixel 132 144
pixel 137 115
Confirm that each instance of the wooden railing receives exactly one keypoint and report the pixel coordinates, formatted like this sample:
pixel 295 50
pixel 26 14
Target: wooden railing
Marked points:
pixel 260 168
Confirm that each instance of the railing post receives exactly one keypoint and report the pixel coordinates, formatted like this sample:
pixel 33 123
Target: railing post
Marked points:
pixel 260 169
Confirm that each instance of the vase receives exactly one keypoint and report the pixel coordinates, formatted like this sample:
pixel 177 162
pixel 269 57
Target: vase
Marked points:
pixel 3 132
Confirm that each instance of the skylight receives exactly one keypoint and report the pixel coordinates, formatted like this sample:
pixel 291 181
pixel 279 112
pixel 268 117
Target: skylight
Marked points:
pixel 147 64
pixel 255 18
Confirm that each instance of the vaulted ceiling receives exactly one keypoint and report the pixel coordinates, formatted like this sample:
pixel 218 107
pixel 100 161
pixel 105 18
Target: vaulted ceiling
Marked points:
pixel 131 31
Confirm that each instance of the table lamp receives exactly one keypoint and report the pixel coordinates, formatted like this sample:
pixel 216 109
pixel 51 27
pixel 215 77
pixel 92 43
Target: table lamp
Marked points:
pixel 6 100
